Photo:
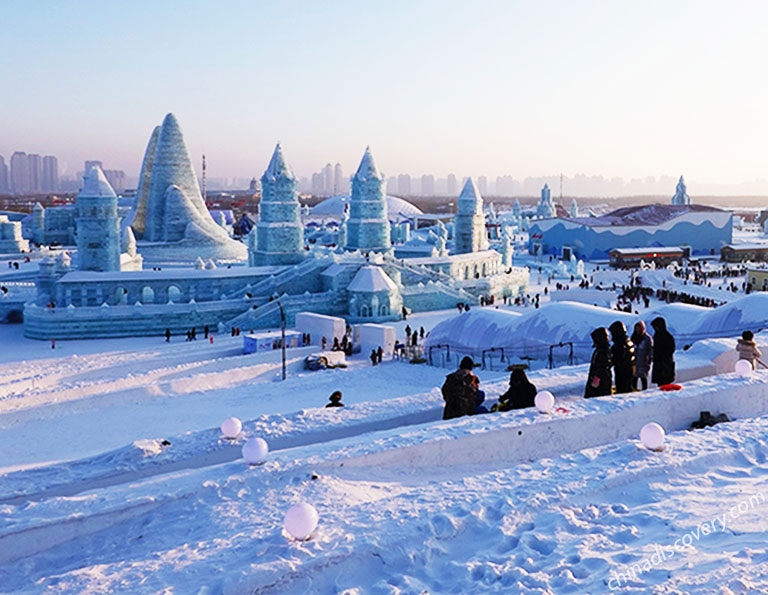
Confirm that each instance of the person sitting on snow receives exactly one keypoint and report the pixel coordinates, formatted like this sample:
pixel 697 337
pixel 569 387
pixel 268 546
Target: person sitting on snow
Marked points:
pixel 460 391
pixel 747 348
pixel 521 393
pixel 335 399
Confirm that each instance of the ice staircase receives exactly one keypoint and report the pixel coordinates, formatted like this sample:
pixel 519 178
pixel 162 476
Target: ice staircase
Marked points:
pixel 268 315
pixel 285 281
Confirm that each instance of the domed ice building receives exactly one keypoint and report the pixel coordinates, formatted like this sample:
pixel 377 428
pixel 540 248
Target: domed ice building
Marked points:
pixel 361 281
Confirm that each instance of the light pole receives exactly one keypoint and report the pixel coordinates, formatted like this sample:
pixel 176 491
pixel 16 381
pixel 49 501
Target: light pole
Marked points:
pixel 282 329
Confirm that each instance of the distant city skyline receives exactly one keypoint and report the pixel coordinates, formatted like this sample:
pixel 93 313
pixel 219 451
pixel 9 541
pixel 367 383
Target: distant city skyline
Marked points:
pixel 617 89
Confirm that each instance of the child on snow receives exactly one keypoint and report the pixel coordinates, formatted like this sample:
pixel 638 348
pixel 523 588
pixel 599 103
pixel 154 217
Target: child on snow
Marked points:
pixel 747 348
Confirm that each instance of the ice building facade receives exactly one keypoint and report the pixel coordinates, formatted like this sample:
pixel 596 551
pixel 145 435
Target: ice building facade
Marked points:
pixel 469 224
pixel 362 281
pixel 11 240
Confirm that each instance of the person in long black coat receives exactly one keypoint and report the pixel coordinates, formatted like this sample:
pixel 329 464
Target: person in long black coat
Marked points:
pixel 599 378
pixel 521 392
pixel 663 371
pixel 623 352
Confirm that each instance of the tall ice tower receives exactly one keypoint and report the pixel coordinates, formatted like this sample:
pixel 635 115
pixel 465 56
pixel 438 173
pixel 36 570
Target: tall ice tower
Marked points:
pixel 279 235
pixel 98 226
pixel 368 225
pixel 469 224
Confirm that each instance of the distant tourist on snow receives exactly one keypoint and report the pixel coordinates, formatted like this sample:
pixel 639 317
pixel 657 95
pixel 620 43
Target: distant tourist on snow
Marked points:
pixel 380 354
pixel 460 391
pixel 599 378
pixel 167 335
pixel 643 355
pixel 747 348
pixel 623 355
pixel 335 399
pixel 374 357
pixel 520 394
pixel 663 371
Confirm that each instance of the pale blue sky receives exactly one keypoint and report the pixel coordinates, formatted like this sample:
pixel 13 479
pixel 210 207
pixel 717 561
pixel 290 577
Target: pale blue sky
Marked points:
pixel 527 88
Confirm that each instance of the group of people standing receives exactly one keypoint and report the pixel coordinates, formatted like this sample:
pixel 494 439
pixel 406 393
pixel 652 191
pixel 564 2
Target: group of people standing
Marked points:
pixel 630 358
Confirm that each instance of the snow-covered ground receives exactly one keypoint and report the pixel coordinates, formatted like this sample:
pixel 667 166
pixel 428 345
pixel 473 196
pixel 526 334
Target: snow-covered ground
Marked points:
pixel 114 477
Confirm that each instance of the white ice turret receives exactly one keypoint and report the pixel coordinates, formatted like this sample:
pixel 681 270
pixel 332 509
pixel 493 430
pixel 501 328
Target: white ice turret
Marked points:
pixel 681 195
pixel 469 223
pixel 574 210
pixel 98 231
pixel 546 208
pixel 517 210
pixel 128 242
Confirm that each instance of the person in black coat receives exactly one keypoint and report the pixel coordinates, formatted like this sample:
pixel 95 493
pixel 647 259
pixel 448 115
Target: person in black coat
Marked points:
pixel 521 392
pixel 599 378
pixel 460 391
pixel 623 353
pixel 663 371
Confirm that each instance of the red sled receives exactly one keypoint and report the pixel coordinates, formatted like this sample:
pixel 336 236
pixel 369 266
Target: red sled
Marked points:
pixel 670 387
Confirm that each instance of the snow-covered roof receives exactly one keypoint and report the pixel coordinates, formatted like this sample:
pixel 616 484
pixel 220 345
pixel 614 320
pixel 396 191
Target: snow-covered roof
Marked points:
pixel 335 206
pixel 649 249
pixel 370 279
pixel 654 214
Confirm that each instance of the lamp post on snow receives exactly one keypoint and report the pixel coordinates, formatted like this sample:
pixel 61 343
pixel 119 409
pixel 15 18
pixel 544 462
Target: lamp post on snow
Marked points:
pixel 282 329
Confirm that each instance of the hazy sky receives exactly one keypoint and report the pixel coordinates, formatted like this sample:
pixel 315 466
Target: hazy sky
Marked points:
pixel 616 88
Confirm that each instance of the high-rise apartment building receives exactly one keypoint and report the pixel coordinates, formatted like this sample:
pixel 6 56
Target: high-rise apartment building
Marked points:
pixel 404 185
pixel 116 179
pixel 339 187
pixel 328 179
pixel 451 188
pixel 427 185
pixel 35 165
pixel 4 186
pixel 50 176
pixel 19 173
pixel 482 185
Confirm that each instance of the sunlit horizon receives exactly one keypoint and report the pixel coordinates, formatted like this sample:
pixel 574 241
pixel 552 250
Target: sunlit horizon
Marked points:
pixel 503 88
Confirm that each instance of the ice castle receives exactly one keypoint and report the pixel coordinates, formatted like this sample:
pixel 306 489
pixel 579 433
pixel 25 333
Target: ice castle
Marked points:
pixel 108 294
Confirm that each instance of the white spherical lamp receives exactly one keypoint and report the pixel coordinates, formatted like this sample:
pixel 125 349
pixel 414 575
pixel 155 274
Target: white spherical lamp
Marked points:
pixel 231 427
pixel 255 451
pixel 544 401
pixel 652 436
pixel 300 520
pixel 743 368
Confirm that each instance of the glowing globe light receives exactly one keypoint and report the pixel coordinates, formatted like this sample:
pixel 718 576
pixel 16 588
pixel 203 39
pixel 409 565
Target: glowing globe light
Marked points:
pixel 255 451
pixel 652 436
pixel 300 520
pixel 231 427
pixel 743 368
pixel 544 401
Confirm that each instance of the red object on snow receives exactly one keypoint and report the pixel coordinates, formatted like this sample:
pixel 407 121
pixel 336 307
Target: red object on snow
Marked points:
pixel 211 336
pixel 561 410
pixel 670 387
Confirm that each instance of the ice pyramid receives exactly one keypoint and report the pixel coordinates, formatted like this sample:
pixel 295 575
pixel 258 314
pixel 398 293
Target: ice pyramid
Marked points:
pixel 169 207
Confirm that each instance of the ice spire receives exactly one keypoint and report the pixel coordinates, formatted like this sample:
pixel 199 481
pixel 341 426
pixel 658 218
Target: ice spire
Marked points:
pixel 681 195
pixel 138 216
pixel 368 227
pixel 367 169
pixel 97 221
pixel 280 236
pixel 278 168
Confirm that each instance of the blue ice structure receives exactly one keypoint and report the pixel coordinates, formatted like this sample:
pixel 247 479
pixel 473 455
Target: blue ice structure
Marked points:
pixel 704 229
pixel 362 282
pixel 368 225
pixel 546 208
pixel 170 219
pixel 279 234
pixel 469 224
pixel 681 195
